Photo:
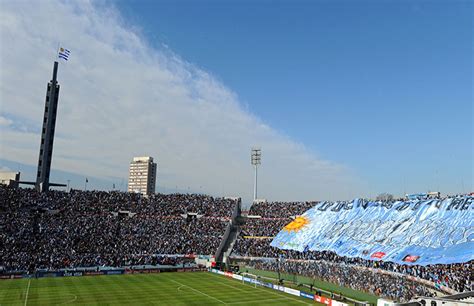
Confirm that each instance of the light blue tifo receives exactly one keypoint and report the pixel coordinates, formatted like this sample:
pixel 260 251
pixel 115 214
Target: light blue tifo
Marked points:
pixel 418 232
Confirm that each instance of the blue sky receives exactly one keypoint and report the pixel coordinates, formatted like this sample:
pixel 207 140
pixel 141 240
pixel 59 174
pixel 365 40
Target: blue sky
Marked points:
pixel 346 98
pixel 382 86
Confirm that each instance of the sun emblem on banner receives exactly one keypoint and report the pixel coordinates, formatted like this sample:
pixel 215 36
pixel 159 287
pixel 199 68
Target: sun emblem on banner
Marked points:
pixel 297 224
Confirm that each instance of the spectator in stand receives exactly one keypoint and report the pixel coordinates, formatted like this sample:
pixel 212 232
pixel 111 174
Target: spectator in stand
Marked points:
pixel 385 285
pixel 57 230
pixel 276 215
pixel 264 227
pixel 280 209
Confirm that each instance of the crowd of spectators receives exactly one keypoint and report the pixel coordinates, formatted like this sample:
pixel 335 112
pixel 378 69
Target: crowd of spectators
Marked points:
pixel 82 229
pixel 100 201
pixel 280 209
pixel 455 276
pixel 264 227
pixel 59 229
pixel 257 233
pixel 386 285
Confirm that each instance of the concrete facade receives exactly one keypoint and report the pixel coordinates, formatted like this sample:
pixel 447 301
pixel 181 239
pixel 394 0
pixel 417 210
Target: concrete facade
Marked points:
pixel 47 133
pixel 10 178
pixel 142 175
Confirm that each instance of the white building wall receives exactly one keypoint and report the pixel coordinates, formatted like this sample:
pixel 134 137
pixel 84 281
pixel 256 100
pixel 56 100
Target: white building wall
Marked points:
pixel 142 175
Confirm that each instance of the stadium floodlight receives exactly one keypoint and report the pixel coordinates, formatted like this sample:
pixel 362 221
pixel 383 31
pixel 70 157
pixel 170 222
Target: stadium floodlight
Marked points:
pixel 256 158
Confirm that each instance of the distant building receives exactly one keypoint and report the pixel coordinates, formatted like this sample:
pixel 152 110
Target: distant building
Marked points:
pixel 10 178
pixel 142 175
pixel 434 195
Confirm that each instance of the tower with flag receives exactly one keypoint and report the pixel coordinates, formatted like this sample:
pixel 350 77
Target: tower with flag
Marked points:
pixel 49 124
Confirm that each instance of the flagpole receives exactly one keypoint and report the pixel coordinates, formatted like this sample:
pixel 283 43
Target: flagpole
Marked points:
pixel 57 50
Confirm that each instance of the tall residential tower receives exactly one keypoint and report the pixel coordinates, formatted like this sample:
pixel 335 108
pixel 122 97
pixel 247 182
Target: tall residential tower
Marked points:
pixel 142 177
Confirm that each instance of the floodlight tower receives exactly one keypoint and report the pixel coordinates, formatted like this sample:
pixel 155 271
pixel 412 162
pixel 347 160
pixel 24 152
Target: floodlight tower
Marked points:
pixel 256 158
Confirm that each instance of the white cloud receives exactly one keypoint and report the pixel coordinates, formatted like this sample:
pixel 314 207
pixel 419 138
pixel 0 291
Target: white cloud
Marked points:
pixel 120 98
pixel 5 169
pixel 5 121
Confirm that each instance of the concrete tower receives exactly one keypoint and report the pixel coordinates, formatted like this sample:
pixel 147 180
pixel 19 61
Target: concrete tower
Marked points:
pixel 47 133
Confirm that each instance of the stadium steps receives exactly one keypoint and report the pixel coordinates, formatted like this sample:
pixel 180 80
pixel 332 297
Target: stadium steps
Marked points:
pixel 234 234
pixel 230 236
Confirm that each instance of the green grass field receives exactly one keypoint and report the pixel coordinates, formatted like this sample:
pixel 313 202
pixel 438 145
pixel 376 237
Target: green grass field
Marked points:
pixel 193 288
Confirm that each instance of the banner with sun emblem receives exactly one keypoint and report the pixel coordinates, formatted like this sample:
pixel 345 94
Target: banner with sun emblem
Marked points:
pixel 428 231
pixel 297 224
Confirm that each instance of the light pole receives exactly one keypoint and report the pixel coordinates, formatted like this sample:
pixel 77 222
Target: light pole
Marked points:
pixel 256 158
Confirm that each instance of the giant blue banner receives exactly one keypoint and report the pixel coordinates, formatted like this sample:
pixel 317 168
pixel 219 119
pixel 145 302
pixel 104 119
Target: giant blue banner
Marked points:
pixel 410 232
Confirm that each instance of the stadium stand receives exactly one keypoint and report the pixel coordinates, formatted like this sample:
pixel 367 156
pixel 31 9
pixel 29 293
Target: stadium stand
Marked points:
pixel 57 229
pixel 386 279
pixel 63 230
pixel 280 209
pixel 356 277
pixel 269 219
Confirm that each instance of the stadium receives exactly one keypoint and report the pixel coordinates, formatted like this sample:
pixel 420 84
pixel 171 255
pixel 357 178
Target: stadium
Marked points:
pixel 90 247
pixel 62 244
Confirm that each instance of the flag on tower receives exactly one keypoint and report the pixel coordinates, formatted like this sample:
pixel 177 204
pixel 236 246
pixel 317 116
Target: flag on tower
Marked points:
pixel 64 53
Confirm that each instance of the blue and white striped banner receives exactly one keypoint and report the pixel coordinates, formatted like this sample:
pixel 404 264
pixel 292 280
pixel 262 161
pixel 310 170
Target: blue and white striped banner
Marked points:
pixel 410 232
pixel 64 53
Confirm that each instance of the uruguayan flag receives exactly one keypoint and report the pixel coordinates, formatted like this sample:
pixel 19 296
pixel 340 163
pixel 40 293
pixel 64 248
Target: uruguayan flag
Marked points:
pixel 64 53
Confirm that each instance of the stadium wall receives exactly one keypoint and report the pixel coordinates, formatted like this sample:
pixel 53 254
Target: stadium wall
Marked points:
pixel 41 274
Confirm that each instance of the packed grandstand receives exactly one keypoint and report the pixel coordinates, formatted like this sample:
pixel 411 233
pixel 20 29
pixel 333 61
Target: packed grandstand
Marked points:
pixel 66 230
pixel 387 279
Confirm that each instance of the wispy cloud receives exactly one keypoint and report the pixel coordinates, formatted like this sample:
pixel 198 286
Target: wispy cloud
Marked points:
pixel 5 121
pixel 121 98
pixel 4 169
